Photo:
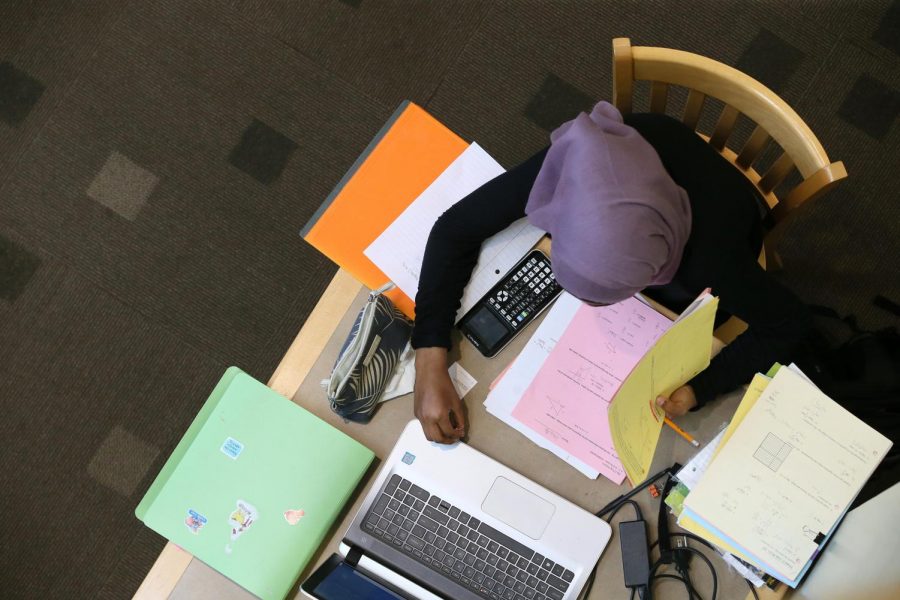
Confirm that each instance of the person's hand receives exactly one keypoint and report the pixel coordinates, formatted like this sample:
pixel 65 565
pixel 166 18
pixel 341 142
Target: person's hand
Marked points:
pixel 437 406
pixel 679 402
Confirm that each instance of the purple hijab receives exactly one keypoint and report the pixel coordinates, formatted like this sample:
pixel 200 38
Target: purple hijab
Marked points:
pixel 619 223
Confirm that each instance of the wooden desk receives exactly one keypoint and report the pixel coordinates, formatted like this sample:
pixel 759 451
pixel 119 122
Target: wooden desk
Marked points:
pixel 177 575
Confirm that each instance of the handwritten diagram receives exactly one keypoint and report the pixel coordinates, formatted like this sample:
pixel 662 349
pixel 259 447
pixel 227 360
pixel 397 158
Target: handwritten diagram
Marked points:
pixel 773 451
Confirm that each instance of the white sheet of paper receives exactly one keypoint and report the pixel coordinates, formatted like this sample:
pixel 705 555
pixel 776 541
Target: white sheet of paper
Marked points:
pixel 508 391
pixel 462 381
pixel 691 473
pixel 787 474
pixel 399 250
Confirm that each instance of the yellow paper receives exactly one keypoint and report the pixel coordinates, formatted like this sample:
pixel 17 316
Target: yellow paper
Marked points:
pixel 635 421
pixel 754 391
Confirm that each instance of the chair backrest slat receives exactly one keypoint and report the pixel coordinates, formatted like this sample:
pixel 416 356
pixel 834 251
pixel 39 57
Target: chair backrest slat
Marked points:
pixel 776 173
pixel 693 108
pixel 659 95
pixel 752 149
pixel 742 95
pixel 736 89
pixel 724 127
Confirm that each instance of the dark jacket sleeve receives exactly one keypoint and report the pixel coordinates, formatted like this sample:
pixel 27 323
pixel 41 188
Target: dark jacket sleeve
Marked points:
pixel 778 323
pixel 454 243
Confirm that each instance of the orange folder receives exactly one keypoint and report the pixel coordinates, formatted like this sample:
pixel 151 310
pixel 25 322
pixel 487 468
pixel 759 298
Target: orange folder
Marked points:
pixel 406 156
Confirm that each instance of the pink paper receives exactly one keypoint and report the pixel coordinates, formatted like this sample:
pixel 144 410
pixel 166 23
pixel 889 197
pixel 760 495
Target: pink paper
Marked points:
pixel 568 400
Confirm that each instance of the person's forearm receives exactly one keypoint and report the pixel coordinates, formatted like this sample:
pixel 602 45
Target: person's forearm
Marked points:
pixel 752 352
pixel 454 244
pixel 428 359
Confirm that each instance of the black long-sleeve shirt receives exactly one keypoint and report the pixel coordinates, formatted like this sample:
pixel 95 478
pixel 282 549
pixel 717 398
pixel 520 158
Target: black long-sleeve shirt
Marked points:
pixel 721 253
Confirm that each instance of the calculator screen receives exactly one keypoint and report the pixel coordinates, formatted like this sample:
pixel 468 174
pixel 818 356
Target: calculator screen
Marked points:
pixel 487 327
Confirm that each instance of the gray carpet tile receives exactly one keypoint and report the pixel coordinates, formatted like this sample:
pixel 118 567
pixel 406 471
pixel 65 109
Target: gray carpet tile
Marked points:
pixel 866 143
pixel 867 23
pixel 394 50
pixel 555 102
pixel 871 106
pixel 887 33
pixel 845 249
pixel 50 42
pixel 19 93
pixel 17 266
pixel 262 152
pixel 844 252
pixel 771 60
pixel 76 364
pixel 142 550
pixel 122 186
pixel 206 221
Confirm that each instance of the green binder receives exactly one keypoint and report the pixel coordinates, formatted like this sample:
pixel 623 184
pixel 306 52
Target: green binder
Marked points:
pixel 254 485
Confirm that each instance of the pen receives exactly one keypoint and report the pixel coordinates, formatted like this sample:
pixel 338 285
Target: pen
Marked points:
pixel 682 432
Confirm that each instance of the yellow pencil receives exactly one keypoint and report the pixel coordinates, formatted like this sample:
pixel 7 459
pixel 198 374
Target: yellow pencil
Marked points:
pixel 682 432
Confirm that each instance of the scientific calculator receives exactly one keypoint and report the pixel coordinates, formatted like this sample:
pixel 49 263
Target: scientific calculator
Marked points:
pixel 511 304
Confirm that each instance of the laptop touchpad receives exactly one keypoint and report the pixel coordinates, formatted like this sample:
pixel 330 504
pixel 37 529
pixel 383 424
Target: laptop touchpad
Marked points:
pixel 517 507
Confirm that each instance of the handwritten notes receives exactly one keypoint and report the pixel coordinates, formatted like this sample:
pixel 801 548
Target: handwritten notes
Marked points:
pixel 399 250
pixel 568 399
pixel 785 476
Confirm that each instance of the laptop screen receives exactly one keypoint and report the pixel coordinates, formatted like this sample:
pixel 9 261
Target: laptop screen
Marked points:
pixel 345 583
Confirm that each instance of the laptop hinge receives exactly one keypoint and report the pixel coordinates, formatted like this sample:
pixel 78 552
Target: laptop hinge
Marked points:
pixel 353 556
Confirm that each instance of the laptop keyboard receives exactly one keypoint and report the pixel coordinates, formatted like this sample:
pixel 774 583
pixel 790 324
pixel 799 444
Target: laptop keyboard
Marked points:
pixel 457 545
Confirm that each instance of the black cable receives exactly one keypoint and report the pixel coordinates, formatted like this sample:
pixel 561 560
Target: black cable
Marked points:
pixel 752 588
pixel 677 578
pixel 646 483
pixel 634 505
pixel 711 547
pixel 711 568
pixel 689 584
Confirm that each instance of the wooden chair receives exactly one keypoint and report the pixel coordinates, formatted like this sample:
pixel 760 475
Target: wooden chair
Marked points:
pixel 741 94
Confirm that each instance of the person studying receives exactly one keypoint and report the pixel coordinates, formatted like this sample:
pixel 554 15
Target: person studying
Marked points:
pixel 634 204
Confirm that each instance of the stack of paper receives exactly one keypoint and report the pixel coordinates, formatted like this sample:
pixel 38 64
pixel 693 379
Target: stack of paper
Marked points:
pixel 787 469
pixel 581 361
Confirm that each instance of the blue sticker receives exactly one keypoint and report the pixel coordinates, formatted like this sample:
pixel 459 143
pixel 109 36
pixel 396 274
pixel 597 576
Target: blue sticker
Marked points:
pixel 408 458
pixel 194 521
pixel 232 448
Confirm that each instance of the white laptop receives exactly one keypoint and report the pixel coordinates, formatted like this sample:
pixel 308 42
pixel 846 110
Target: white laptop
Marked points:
pixel 449 522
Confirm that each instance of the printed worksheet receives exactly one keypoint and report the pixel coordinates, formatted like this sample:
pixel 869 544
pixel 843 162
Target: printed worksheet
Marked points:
pixel 507 390
pixel 781 482
pixel 567 400
pixel 399 250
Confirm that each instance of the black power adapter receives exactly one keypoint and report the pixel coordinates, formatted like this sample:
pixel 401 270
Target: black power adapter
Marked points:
pixel 635 557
